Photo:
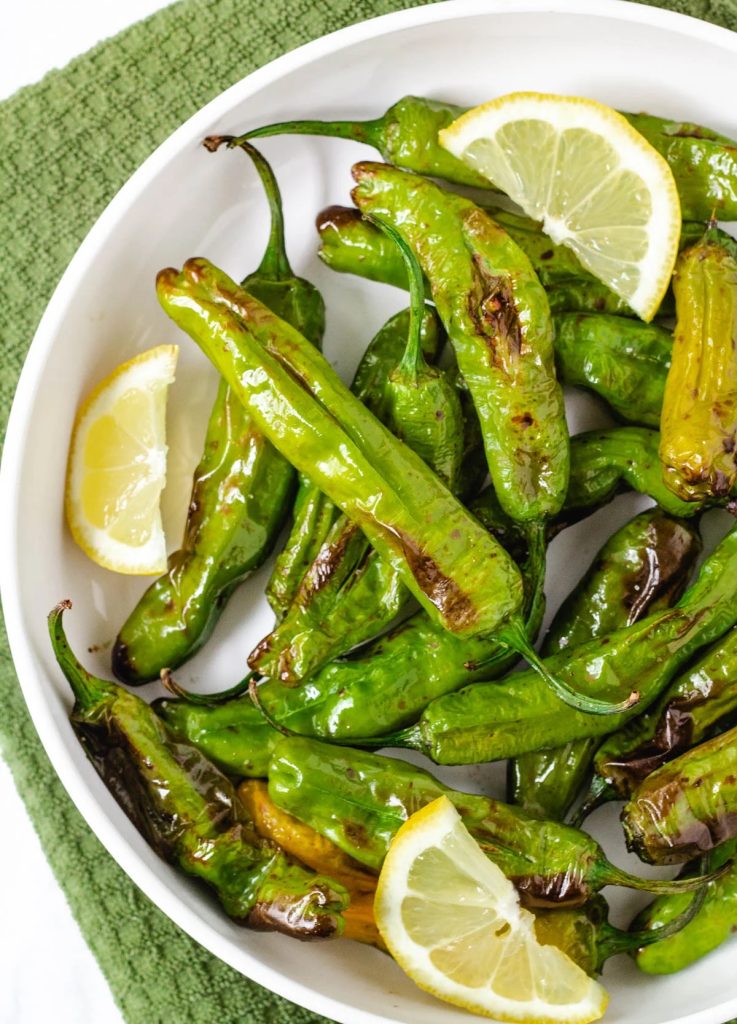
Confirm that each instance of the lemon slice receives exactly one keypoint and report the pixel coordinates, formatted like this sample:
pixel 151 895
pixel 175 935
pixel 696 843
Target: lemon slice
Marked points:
pixel 453 922
pixel 117 465
pixel 595 183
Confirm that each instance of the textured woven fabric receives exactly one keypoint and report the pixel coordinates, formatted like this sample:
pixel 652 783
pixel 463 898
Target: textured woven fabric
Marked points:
pixel 66 147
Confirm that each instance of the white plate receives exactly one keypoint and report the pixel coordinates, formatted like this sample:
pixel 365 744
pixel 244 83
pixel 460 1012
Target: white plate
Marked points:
pixel 185 202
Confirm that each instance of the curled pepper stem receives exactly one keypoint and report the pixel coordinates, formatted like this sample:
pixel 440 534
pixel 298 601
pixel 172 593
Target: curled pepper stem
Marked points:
pixel 413 361
pixel 370 132
pixel 514 636
pixel 87 689
pixel 275 263
pixel 204 699
pixel 255 698
pixel 599 793
pixel 609 874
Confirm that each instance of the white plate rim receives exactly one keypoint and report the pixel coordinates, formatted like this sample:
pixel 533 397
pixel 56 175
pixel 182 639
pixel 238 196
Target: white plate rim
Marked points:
pixel 73 779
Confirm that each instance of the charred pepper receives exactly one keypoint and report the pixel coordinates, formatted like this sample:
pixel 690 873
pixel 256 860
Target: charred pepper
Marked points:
pixel 688 806
pixel 491 722
pixel 698 428
pixel 188 811
pixel 240 497
pixel 359 800
pixel 643 568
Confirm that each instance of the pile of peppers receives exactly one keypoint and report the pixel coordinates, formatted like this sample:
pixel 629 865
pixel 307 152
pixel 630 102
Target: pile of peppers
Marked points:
pixel 420 502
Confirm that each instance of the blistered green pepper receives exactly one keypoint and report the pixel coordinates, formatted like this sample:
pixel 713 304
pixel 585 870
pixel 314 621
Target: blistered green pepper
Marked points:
pixel 686 807
pixel 491 722
pixel 714 922
pixel 643 568
pixel 698 428
pixel 189 812
pixel 697 702
pixel 314 513
pixel 704 163
pixel 240 497
pixel 359 801
pixel 498 321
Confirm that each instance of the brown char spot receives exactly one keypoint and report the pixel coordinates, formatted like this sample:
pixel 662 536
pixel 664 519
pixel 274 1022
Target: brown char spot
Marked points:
pixel 336 217
pixel 328 559
pixel 302 917
pixel 558 890
pixel 524 419
pixel 356 833
pixel 495 314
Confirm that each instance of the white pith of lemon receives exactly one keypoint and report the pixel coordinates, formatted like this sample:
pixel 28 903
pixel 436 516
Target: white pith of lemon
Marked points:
pixel 595 183
pixel 117 465
pixel 453 922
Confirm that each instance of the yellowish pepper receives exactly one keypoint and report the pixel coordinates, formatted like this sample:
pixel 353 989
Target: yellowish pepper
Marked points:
pixel 698 427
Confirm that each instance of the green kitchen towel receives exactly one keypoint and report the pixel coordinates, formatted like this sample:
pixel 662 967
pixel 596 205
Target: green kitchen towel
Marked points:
pixel 66 147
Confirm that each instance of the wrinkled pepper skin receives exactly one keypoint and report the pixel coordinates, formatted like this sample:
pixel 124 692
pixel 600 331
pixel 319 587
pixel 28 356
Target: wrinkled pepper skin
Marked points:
pixel 698 701
pixel 355 699
pixel 704 163
pixel 314 513
pixel 623 361
pixel 310 848
pixel 698 427
pixel 498 320
pixel 359 801
pixel 189 812
pixel 490 722
pixel 688 806
pixel 712 925
pixel 456 570
pixel 240 497
pixel 642 568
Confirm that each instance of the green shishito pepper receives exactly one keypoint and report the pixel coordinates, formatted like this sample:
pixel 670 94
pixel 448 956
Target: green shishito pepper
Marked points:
pixel 686 807
pixel 714 922
pixel 189 812
pixel 497 317
pixel 491 722
pixel 359 801
pixel 586 936
pixel 704 163
pixel 349 594
pixel 643 568
pixel 456 570
pixel 397 676
pixel 240 497
pixel 696 703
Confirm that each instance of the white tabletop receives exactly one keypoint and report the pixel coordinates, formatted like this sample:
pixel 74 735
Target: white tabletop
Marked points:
pixel 46 971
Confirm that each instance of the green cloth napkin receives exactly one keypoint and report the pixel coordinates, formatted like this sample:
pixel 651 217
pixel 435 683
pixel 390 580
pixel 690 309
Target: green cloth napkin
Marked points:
pixel 66 147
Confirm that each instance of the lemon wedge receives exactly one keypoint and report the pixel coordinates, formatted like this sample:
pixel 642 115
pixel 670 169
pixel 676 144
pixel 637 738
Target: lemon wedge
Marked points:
pixel 596 184
pixel 117 465
pixel 453 922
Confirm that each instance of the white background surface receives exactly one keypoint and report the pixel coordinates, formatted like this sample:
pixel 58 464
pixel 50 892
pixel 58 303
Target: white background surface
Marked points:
pixel 46 971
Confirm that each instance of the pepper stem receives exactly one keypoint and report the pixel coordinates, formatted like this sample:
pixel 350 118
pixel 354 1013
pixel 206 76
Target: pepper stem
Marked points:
pixel 412 362
pixel 608 874
pixel 614 940
pixel 275 264
pixel 89 691
pixel 537 545
pixel 204 699
pixel 514 636
pixel 599 793
pixel 370 132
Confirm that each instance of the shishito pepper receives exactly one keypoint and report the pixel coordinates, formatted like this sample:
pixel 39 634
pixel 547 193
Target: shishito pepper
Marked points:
pixel 314 513
pixel 498 320
pixel 489 722
pixel 240 496
pixel 189 812
pixel 350 594
pixel 704 163
pixel 698 428
pixel 642 568
pixel 457 571
pixel 714 922
pixel 696 703
pixel 359 801
pixel 688 806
